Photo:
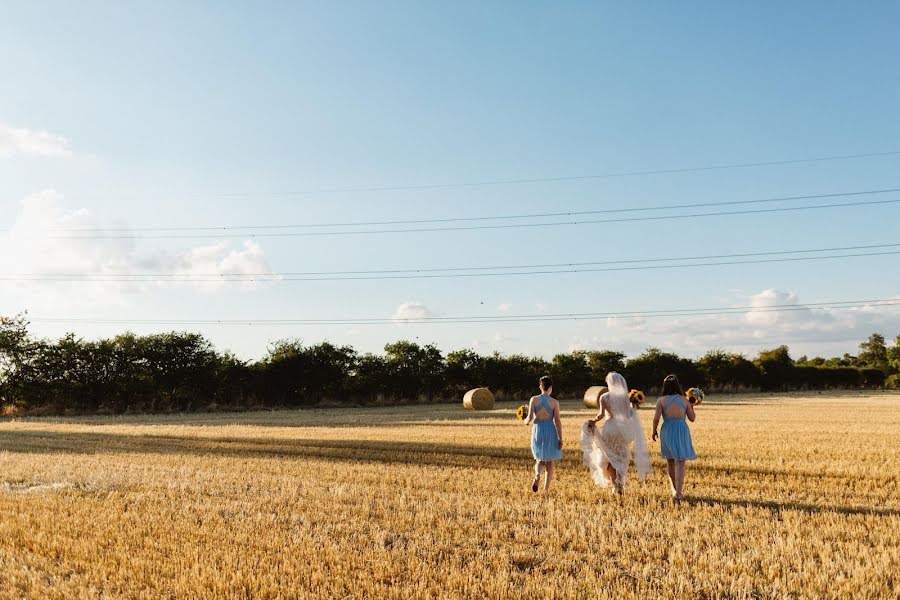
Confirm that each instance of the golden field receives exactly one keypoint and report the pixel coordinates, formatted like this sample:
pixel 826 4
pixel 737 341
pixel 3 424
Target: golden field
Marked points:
pixel 794 496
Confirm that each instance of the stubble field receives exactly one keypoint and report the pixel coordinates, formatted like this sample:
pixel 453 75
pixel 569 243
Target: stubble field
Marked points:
pixel 797 496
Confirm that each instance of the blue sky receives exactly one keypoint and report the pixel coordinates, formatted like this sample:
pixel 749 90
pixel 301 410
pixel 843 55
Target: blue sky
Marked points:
pixel 156 114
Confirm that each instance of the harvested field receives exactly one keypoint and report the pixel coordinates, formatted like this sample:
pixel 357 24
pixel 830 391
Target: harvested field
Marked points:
pixel 794 496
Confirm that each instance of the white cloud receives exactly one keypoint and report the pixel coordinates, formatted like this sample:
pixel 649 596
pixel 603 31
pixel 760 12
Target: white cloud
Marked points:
pixel 540 307
pixel 411 311
pixel 208 264
pixel 768 299
pixel 27 142
pixel 495 342
pixel 504 308
pixel 630 323
pixel 41 254
pixel 806 330
pixel 582 343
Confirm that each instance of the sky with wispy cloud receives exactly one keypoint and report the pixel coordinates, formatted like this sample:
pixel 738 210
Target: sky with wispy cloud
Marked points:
pixel 122 124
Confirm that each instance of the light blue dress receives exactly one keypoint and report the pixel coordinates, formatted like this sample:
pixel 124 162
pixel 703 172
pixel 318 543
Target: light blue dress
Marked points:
pixel 544 437
pixel 675 437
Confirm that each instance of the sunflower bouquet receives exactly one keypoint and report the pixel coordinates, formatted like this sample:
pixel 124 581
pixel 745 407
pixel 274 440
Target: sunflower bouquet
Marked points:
pixel 522 412
pixel 694 395
pixel 636 397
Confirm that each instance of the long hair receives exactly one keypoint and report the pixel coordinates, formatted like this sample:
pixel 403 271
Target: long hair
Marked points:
pixel 671 386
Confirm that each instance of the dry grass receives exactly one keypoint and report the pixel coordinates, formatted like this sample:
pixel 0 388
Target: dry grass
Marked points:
pixel 791 497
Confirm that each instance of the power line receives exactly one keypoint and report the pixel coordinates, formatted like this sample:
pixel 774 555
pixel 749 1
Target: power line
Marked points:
pixel 497 182
pixel 488 271
pixel 482 227
pixel 280 279
pixel 476 219
pixel 665 313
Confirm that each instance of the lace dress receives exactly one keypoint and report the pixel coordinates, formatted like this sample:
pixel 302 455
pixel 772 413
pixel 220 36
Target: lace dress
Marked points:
pixel 611 444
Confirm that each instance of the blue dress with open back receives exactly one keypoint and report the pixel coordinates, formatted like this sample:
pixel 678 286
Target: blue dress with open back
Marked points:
pixel 544 437
pixel 674 436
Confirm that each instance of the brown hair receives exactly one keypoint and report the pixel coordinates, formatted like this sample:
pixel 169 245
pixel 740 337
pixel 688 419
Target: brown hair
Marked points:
pixel 671 386
pixel 546 382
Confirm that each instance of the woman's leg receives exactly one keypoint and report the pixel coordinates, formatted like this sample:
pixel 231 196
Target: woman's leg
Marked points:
pixel 611 473
pixel 670 464
pixel 679 478
pixel 538 466
pixel 549 466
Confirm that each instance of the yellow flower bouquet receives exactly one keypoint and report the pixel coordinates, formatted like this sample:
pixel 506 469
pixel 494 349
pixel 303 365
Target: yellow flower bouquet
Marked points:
pixel 636 397
pixel 694 396
pixel 522 412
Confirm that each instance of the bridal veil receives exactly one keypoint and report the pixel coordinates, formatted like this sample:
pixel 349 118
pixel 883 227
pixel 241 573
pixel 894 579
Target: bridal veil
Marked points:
pixel 611 443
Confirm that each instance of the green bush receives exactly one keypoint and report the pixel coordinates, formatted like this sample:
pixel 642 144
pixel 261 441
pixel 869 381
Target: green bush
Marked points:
pixel 182 371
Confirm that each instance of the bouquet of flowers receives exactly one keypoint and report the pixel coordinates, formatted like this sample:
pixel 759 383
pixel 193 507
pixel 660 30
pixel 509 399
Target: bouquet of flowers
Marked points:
pixel 522 412
pixel 636 397
pixel 694 396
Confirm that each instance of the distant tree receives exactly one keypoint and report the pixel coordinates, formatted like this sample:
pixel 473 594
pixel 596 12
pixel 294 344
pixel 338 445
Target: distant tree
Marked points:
pixel 893 355
pixel 465 370
pixel 183 367
pixel 330 367
pixel 873 353
pixel 648 370
pixel 571 374
pixel 17 351
pixel 302 375
pixel 281 374
pixel 848 360
pixel 776 366
pixel 183 371
pixel 414 370
pixel 369 378
pixel 604 362
pixel 515 375
pixel 817 361
pixel 235 382
pixel 725 371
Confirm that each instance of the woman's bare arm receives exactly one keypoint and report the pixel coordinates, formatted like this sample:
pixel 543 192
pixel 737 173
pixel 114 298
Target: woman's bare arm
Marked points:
pixel 656 417
pixel 601 414
pixel 691 415
pixel 530 416
pixel 557 419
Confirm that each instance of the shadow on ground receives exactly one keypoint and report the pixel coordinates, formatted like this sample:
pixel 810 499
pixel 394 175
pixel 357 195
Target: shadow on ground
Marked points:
pixel 418 453
pixel 777 507
pixel 43 441
pixel 438 414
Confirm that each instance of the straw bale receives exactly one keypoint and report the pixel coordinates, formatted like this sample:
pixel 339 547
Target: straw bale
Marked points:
pixel 478 399
pixel 592 396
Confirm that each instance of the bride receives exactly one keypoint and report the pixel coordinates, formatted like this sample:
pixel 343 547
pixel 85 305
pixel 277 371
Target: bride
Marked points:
pixel 607 451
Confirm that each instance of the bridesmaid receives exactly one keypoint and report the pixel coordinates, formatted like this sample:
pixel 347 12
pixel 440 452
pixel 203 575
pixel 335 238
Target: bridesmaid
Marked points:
pixel 546 435
pixel 675 437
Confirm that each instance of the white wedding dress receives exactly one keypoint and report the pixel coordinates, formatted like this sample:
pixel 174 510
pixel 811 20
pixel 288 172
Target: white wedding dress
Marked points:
pixel 611 443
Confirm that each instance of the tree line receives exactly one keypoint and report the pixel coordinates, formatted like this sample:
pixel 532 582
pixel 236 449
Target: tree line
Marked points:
pixel 182 371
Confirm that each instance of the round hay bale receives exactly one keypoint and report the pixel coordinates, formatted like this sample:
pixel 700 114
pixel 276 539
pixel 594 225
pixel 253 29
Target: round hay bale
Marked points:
pixel 478 399
pixel 592 396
